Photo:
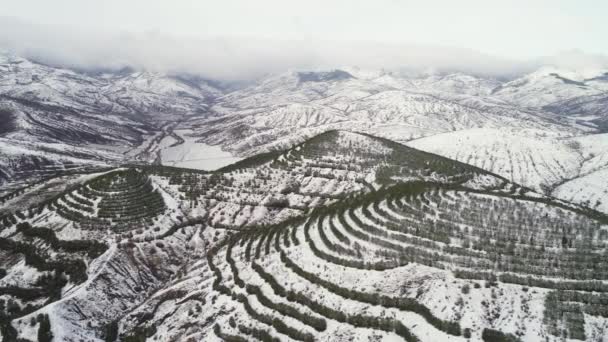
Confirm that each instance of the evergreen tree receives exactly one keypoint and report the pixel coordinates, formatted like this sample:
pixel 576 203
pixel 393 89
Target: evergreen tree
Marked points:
pixel 44 330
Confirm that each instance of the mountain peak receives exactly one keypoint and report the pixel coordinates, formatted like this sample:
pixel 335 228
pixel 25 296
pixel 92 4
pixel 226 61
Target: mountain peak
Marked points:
pixel 324 76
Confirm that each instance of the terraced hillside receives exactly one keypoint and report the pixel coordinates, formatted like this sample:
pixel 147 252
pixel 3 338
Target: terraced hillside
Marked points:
pixel 315 173
pixel 37 267
pixel 119 199
pixel 71 260
pixel 279 303
pixel 154 220
pixel 419 261
pixel 342 237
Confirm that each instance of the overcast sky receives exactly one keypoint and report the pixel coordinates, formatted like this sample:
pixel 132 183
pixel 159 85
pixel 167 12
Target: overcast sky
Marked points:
pixel 231 37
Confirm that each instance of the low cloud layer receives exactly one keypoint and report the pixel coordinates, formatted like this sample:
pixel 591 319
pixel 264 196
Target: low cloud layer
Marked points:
pixel 247 58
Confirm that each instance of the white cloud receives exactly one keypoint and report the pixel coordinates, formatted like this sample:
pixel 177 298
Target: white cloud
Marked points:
pixel 238 58
pixel 227 58
pixel 576 60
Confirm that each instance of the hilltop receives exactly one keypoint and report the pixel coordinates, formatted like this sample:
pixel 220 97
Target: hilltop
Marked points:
pixel 292 244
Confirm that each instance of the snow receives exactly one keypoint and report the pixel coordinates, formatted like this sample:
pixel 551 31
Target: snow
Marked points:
pixel 459 116
pixel 196 155
pixel 525 159
pixel 20 274
pixel 590 190
pixel 537 159
pixel 546 86
pixel 393 106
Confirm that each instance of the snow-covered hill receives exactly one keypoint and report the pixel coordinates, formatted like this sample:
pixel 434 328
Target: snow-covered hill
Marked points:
pixel 589 110
pixel 550 163
pixel 457 83
pixel 330 234
pixel 344 237
pixel 138 113
pixel 549 85
pixel 53 117
pixel 126 92
pixel 284 109
pixel 579 94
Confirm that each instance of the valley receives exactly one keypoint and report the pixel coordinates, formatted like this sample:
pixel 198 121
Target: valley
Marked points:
pixel 332 205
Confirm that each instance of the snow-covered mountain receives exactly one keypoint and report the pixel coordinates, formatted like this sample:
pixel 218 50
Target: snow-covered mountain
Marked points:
pixel 457 83
pixel 550 85
pixel 126 92
pixel 343 237
pixel 114 117
pixel 325 228
pixel 473 119
pixel 264 115
pixel 55 119
pixel 581 95
pixel 590 110
pixel 570 168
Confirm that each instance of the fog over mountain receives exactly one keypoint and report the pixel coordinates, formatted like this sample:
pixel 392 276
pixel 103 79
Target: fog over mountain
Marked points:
pixel 277 171
pixel 243 58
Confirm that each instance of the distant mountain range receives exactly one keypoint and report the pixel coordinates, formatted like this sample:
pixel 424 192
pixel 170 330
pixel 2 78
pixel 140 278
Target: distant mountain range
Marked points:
pixel 59 120
pixel 336 205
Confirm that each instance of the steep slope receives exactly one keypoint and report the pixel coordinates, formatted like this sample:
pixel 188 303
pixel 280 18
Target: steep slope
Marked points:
pixel 453 83
pixel 283 110
pixel 538 159
pixel 183 254
pixel 46 243
pixel 155 221
pixel 591 110
pixel 405 262
pixel 578 94
pixel 153 93
pixel 26 162
pixel 589 189
pixel 41 139
pixel 549 85
pixel 53 117
pixel 125 92
pixel 589 186
pixel 457 83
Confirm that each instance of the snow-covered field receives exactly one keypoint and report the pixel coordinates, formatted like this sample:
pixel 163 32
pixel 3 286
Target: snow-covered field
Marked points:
pixel 590 190
pixel 195 155
pixel 530 159
pixel 571 168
